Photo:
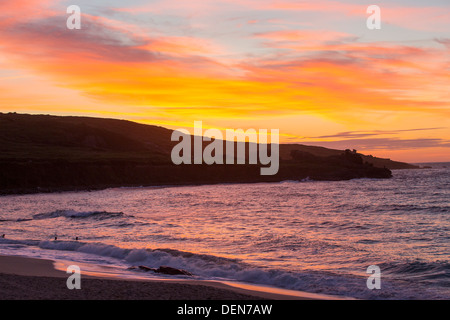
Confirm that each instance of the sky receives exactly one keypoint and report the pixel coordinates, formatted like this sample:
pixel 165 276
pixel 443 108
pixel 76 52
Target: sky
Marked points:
pixel 312 69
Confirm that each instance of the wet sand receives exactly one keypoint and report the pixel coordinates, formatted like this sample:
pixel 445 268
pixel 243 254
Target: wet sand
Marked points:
pixel 36 279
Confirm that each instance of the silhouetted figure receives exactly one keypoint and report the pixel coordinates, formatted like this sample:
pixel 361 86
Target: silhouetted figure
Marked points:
pixel 76 238
pixel 3 235
pixel 56 238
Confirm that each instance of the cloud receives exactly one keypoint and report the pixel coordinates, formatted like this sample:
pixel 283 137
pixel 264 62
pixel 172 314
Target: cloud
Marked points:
pixel 427 17
pixel 444 41
pixel 20 10
pixel 94 41
pixel 315 71
pixel 361 134
pixel 383 144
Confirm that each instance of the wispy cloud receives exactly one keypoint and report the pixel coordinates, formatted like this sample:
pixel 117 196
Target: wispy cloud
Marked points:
pixel 383 144
pixel 361 134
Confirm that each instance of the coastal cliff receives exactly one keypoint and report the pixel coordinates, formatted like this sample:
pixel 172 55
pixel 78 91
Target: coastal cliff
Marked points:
pixel 42 153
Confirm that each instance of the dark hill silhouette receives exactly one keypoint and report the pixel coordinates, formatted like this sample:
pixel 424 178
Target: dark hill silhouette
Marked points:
pixel 40 153
pixel 286 154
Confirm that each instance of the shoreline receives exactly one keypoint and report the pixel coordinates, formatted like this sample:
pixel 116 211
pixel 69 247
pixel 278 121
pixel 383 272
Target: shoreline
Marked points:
pixel 56 190
pixel 24 278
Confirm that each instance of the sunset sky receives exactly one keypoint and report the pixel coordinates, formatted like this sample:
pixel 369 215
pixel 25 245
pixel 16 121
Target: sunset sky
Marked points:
pixel 309 68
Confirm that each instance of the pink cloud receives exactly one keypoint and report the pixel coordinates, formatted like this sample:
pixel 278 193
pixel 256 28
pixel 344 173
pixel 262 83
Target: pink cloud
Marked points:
pixel 22 10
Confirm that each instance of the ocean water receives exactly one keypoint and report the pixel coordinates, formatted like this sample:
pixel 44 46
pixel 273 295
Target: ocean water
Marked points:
pixel 318 237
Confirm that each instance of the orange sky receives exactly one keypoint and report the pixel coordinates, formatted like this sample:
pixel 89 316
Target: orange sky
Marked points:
pixel 311 69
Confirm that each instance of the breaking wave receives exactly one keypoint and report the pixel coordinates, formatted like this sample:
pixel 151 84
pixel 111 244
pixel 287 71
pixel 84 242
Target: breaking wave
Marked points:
pixel 211 267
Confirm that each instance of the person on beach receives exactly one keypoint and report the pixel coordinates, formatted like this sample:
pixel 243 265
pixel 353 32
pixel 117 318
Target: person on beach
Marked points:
pixel 3 235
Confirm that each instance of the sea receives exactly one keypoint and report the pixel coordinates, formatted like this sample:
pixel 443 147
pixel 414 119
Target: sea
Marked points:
pixel 319 237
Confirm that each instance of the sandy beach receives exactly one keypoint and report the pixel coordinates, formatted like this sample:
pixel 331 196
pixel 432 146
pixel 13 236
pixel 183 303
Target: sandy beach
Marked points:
pixel 24 278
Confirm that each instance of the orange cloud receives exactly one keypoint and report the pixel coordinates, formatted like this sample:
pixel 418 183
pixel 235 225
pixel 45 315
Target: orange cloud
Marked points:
pixel 169 73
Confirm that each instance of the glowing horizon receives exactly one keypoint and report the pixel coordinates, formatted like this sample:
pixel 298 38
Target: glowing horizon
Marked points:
pixel 312 70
